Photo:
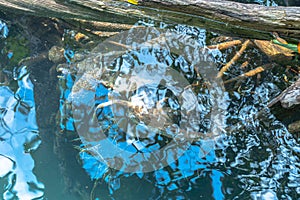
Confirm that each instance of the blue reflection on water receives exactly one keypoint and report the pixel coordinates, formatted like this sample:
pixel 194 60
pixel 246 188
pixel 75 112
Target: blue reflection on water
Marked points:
pixel 171 178
pixel 18 137
pixel 259 159
pixel 95 168
pixel 3 29
pixel 216 177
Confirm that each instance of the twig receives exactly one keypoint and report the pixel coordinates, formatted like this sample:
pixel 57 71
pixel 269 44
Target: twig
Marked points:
pixel 225 45
pixel 119 101
pixel 103 33
pixel 120 45
pixel 244 64
pixel 247 74
pixel 234 59
pixel 292 70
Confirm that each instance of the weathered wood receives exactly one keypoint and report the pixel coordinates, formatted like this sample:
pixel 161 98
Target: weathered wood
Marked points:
pixel 250 16
pixel 243 19
pixel 289 97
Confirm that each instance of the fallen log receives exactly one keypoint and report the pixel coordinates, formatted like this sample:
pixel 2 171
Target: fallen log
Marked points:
pixel 248 20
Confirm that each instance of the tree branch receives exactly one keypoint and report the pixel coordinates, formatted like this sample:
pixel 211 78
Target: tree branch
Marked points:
pixel 249 20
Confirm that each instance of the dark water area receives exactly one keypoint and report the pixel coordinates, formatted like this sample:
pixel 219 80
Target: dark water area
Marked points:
pixel 218 141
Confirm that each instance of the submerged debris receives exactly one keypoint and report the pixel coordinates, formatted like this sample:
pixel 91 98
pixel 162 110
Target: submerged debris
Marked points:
pixel 56 54
pixel 294 127
pixel 289 97
pixel 234 59
pixel 275 52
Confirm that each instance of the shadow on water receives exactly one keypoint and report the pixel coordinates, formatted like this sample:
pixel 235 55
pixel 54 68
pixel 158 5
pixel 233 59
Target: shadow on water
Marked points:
pixel 252 157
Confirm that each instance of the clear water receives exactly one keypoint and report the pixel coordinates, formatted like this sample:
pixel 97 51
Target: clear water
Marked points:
pixel 251 155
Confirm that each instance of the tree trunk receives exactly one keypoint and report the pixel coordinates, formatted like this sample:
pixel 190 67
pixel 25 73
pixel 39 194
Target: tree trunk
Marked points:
pixel 248 20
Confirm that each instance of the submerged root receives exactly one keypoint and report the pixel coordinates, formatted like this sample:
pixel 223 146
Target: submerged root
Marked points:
pixel 225 45
pixel 234 59
pixel 247 74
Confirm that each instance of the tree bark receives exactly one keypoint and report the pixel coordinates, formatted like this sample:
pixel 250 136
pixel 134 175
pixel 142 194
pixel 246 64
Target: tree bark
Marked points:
pixel 248 20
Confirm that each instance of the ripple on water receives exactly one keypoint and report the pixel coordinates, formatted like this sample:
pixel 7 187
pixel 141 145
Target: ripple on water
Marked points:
pixel 256 158
pixel 18 137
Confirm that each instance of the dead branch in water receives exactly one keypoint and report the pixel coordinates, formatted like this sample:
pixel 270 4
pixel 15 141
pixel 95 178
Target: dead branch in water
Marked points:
pixel 249 20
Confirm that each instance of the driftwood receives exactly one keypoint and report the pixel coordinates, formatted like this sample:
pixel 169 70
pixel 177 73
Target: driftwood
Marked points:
pixel 247 20
pixel 290 97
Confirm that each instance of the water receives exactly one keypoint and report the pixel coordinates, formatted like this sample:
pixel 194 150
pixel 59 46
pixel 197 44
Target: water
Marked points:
pixel 18 138
pixel 251 155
